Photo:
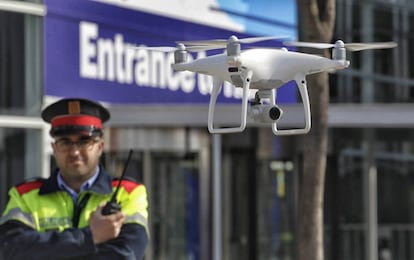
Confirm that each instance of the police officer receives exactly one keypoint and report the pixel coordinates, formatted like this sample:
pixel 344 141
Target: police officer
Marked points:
pixel 61 217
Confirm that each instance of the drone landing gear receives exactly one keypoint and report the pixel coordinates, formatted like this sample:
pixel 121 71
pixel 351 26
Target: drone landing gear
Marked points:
pixel 301 83
pixel 244 77
pixel 258 111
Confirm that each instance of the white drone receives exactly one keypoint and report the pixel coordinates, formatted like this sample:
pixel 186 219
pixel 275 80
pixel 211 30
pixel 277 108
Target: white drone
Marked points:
pixel 263 69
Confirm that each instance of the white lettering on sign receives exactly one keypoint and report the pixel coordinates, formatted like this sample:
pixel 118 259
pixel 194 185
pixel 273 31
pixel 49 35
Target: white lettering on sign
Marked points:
pixel 87 50
pixel 113 59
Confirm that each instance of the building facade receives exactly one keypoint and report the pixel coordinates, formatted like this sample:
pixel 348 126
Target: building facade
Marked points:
pixel 369 180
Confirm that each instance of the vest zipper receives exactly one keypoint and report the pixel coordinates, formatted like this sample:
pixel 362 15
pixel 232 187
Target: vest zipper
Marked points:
pixel 78 207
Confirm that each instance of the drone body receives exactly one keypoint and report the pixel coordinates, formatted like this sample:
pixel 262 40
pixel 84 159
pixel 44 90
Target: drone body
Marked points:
pixel 271 68
pixel 262 69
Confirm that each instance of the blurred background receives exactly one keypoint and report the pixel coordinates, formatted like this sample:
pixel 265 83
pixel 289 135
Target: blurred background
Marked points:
pixel 81 48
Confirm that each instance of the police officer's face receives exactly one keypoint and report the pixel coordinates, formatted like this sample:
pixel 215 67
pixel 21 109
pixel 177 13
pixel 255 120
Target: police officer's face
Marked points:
pixel 77 156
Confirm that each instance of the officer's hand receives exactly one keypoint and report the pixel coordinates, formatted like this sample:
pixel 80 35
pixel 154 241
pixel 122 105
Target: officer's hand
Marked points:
pixel 104 227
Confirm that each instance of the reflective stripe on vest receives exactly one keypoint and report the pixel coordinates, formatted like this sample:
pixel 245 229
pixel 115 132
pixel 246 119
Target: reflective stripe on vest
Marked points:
pixel 17 214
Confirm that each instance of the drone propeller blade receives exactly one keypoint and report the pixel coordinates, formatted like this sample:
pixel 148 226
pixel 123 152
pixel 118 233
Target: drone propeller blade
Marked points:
pixel 171 49
pixel 348 46
pixel 224 42
pixel 260 39
pixel 366 46
pixel 160 49
pixel 202 47
pixel 217 42
pixel 315 45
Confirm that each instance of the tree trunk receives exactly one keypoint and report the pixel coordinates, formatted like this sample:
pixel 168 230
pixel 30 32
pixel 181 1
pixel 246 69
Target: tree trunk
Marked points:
pixel 316 23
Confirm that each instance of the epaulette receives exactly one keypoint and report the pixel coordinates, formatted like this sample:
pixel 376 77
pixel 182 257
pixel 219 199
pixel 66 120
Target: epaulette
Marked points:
pixel 29 185
pixel 129 184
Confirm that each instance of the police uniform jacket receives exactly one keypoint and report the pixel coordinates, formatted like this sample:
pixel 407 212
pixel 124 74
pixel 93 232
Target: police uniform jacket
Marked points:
pixel 41 221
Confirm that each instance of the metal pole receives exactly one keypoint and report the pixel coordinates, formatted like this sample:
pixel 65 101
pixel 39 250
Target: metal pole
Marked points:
pixel 217 241
pixel 371 218
pixel 370 197
pixel 370 173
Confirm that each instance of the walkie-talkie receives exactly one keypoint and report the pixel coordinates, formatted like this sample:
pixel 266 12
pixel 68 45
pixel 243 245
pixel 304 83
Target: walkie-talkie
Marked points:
pixel 113 206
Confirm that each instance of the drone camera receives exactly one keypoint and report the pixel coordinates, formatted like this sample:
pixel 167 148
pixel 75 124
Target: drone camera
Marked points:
pixel 274 113
pixel 265 113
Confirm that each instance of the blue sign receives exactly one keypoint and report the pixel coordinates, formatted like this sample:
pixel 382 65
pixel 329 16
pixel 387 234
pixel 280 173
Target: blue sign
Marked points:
pixel 89 52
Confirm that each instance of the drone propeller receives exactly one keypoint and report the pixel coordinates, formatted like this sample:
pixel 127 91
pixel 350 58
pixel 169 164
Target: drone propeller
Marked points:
pixel 231 39
pixel 341 44
pixel 373 45
pixel 180 47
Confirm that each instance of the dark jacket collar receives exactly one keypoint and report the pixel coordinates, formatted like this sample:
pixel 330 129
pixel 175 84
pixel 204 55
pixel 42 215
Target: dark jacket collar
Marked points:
pixel 102 185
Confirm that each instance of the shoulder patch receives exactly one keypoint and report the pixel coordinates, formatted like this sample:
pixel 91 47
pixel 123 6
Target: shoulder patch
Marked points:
pixel 29 186
pixel 128 185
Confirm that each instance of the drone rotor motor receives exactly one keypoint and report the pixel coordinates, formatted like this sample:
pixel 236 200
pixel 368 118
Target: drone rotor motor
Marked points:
pixel 181 54
pixel 339 51
pixel 233 46
pixel 233 60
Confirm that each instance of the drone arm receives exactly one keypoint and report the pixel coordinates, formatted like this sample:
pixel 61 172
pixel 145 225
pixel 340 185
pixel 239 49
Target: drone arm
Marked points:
pixel 246 77
pixel 301 83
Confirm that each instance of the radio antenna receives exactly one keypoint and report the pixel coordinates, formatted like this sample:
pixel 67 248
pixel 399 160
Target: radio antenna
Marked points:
pixel 113 206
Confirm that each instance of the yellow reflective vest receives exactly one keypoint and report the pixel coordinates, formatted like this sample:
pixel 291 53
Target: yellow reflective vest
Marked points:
pixel 42 206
